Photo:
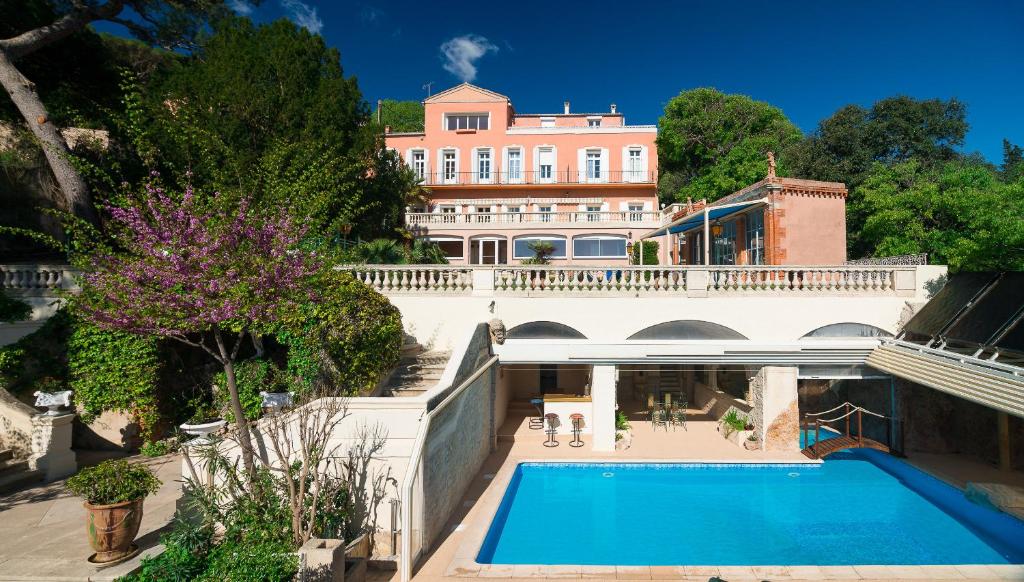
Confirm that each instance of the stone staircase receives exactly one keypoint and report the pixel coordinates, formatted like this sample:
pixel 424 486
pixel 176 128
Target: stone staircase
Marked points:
pixel 14 473
pixel 418 370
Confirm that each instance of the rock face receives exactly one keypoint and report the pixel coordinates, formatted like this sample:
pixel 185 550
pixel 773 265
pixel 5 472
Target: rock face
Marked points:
pixel 783 433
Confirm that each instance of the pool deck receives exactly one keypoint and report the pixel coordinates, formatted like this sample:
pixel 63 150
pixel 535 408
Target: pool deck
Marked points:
pixel 454 554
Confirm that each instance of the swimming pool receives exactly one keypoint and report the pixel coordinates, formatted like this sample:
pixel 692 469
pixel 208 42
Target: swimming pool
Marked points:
pixel 859 507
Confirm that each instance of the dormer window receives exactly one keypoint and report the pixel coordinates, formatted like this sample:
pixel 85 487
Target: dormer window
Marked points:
pixel 547 121
pixel 466 121
pixel 593 122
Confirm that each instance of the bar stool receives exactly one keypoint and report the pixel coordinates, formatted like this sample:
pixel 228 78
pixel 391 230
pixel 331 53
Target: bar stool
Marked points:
pixel 552 428
pixel 577 429
pixel 537 422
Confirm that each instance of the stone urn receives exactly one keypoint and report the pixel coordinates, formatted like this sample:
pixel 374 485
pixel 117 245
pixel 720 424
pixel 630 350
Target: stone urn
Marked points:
pixel 752 444
pixel 112 530
pixel 204 429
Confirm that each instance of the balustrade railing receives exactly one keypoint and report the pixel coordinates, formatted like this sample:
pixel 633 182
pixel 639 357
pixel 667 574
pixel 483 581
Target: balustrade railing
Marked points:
pixel 548 176
pixel 513 218
pixel 584 279
pixel 415 278
pixel 810 279
pixel 34 278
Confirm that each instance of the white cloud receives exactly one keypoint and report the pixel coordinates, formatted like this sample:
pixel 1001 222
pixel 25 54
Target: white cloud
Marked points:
pixel 304 15
pixel 241 7
pixel 462 52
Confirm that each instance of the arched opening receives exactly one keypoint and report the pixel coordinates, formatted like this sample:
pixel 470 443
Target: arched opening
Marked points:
pixel 687 329
pixel 847 329
pixel 544 330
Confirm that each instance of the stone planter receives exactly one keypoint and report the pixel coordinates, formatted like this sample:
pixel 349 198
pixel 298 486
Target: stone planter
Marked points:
pixel 112 530
pixel 204 429
pixel 625 441
pixel 322 561
pixel 752 445
pixel 736 437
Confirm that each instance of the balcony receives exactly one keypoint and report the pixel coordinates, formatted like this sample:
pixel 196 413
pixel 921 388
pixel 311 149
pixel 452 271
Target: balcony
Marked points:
pixel 628 218
pixel 538 178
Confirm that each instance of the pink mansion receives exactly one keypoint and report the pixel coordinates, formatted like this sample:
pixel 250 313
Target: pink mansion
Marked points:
pixel 499 180
pixel 587 184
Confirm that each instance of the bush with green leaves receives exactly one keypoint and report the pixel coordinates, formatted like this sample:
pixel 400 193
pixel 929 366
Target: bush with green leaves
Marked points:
pixel 252 376
pixel 113 481
pixel 346 340
pixel 42 353
pixel 13 309
pixel 114 370
pixel 159 448
pixel 650 248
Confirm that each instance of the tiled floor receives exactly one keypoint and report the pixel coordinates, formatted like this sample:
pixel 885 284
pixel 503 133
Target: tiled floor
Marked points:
pixel 453 556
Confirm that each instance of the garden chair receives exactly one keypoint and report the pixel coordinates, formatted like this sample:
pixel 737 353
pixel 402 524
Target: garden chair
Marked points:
pixel 577 429
pixel 659 416
pixel 678 415
pixel 552 424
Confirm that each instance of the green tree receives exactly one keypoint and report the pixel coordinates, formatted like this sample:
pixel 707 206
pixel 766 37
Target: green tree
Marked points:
pixel 1013 161
pixel 542 251
pixel 959 213
pixel 650 248
pixel 711 144
pixel 400 115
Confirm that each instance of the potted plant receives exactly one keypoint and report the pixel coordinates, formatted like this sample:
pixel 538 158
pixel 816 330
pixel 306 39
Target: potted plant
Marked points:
pixel 113 492
pixel 752 443
pixel 204 421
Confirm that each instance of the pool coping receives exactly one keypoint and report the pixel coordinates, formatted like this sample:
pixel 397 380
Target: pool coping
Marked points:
pixel 465 565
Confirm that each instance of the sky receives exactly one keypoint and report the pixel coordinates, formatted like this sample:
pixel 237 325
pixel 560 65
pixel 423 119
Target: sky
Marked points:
pixel 807 57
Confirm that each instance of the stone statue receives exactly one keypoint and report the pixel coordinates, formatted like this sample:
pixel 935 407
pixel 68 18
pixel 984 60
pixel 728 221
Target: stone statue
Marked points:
pixel 497 329
pixel 771 165
pixel 54 401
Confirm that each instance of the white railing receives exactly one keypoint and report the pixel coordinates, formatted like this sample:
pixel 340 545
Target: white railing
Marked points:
pixel 531 218
pixel 694 281
pixel 415 278
pixel 36 278
pixel 598 279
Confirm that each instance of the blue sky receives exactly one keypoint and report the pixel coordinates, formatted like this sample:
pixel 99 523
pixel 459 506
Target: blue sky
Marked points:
pixel 806 57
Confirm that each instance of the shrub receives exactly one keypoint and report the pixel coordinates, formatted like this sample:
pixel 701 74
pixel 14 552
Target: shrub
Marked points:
pixel 160 448
pixel 184 557
pixel 113 481
pixel 114 370
pixel 650 252
pixel 346 340
pixel 40 354
pixel 734 421
pixel 12 309
pixel 252 376
pixel 621 421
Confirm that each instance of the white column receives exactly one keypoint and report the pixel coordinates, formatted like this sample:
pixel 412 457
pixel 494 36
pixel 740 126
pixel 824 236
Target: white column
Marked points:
pixel 707 239
pixel 602 393
pixel 776 407
pixel 51 446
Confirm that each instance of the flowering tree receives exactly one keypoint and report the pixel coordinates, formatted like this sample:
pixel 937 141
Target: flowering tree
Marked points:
pixel 186 269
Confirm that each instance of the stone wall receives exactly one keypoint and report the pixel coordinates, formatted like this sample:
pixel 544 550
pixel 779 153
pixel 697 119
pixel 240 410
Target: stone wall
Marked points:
pixel 776 413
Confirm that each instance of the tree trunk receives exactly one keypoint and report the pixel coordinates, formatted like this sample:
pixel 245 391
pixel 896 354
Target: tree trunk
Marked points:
pixel 23 94
pixel 241 423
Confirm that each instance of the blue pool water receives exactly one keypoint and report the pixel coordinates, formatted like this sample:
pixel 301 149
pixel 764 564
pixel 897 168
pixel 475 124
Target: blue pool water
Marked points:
pixel 859 507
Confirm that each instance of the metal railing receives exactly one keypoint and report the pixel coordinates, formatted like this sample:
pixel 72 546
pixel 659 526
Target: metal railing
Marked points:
pixel 549 176
pixel 532 218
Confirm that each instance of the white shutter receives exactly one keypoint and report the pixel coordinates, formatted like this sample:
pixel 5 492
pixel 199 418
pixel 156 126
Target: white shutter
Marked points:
pixel 643 164
pixel 604 165
pixel 581 165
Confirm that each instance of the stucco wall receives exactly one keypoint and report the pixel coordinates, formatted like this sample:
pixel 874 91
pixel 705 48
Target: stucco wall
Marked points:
pixel 815 229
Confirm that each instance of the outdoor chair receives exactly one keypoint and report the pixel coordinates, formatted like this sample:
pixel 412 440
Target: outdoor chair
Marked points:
pixel 537 422
pixel 659 416
pixel 678 415
pixel 552 428
pixel 577 429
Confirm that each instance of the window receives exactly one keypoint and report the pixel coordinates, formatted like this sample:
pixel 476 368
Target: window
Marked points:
pixel 636 211
pixel 450 166
pixel 419 164
pixel 634 169
pixel 606 247
pixel 697 249
pixel 514 167
pixel 593 164
pixel 483 165
pixel 593 122
pixel 723 248
pixel 593 212
pixel 483 214
pixel 755 238
pixel 466 121
pixel 546 164
pixel 545 213
pixel 448 214
pixel 547 121
pixel 521 246
pixel 451 247
pixel 514 214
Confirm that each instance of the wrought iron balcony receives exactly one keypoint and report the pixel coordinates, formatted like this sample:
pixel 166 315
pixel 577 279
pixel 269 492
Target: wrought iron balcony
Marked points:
pixel 451 219
pixel 539 177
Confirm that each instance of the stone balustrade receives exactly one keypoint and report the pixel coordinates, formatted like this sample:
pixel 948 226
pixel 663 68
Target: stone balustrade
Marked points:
pixel 35 278
pixel 691 281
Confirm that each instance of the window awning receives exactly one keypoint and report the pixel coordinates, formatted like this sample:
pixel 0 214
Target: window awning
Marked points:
pixel 696 219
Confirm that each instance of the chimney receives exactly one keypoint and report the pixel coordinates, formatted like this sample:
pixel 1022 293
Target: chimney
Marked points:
pixel 380 104
pixel 566 107
pixel 613 108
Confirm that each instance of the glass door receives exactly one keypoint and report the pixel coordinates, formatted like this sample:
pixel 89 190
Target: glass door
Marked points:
pixel 488 251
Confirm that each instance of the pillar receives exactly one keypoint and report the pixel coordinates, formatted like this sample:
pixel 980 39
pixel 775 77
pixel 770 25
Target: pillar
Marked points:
pixel 1005 463
pixel 602 394
pixel 776 413
pixel 51 446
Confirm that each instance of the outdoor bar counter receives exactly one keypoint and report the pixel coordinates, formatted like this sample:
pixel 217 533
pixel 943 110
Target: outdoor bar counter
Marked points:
pixel 565 405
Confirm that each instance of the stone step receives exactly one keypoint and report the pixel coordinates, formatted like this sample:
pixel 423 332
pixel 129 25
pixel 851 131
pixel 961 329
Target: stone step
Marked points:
pixel 13 466
pixel 10 481
pixel 406 392
pixel 6 455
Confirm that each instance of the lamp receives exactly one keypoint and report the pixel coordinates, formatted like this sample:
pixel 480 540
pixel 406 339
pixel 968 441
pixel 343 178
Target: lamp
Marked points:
pixel 716 229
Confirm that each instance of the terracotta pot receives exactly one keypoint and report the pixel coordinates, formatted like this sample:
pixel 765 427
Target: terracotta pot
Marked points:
pixel 112 529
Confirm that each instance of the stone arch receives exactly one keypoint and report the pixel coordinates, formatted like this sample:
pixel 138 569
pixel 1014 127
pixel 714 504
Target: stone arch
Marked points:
pixel 544 330
pixel 846 329
pixel 687 329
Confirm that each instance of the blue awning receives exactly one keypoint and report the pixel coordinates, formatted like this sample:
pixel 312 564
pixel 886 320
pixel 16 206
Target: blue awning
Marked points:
pixel 696 219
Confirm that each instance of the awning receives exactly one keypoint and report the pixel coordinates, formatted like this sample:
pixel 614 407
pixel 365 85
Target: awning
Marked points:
pixel 696 219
